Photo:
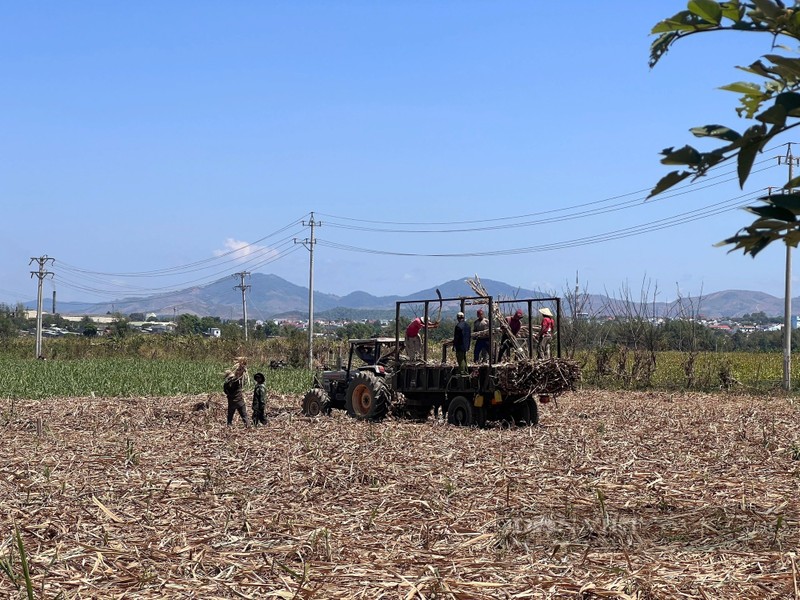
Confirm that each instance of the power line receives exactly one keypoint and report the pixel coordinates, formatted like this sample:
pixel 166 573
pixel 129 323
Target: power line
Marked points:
pixel 516 220
pixel 667 222
pixel 190 266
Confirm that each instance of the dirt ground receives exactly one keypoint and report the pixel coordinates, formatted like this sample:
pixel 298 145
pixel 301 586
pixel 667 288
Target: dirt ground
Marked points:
pixel 614 495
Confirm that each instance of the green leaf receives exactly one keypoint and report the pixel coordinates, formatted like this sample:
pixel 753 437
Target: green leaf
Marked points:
pixel 716 131
pixel 792 238
pixel 683 156
pixel 790 66
pixel 774 212
pixel 769 8
pixel 706 9
pixel 668 181
pixel 790 101
pixel 787 201
pixel 732 11
pixel 792 183
pixel 742 87
pixel 775 115
pixel 678 22
pixel 754 138
pixel 757 68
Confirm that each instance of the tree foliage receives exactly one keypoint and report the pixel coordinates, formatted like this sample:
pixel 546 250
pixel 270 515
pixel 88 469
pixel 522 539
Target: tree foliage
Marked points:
pixel 771 106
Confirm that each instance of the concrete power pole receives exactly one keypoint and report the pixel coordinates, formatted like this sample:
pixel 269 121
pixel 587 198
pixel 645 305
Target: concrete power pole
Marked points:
pixel 309 244
pixel 244 289
pixel 790 161
pixel 40 274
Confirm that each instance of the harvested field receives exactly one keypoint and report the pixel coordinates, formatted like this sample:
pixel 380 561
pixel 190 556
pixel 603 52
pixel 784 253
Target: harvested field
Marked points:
pixel 615 495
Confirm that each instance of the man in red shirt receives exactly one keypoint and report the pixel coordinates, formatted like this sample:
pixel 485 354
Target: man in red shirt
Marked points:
pixel 413 340
pixel 514 324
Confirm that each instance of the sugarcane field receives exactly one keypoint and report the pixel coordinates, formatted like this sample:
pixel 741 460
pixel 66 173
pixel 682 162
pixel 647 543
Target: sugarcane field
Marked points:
pixel 391 471
pixel 615 494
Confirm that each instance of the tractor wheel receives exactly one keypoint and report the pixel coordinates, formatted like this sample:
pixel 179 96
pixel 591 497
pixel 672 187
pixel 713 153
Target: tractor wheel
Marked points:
pixel 526 413
pixel 315 402
pixel 460 412
pixel 367 397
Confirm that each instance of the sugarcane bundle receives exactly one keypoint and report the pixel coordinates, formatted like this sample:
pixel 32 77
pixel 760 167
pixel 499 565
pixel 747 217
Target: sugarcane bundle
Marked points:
pixel 518 348
pixel 534 377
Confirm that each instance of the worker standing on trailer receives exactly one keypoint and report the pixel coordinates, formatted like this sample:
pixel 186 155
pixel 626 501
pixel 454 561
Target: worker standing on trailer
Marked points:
pixel 461 341
pixel 413 340
pixel 545 333
pixel 482 347
pixel 506 343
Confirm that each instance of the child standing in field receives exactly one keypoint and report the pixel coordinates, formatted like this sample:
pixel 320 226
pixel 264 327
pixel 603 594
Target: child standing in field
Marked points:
pixel 233 386
pixel 259 400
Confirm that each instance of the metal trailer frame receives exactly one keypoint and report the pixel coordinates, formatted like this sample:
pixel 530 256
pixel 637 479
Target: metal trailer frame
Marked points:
pixel 425 385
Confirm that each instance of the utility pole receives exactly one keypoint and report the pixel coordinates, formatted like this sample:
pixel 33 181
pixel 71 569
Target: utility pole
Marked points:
pixel 309 244
pixel 244 289
pixel 575 300
pixel 790 161
pixel 41 274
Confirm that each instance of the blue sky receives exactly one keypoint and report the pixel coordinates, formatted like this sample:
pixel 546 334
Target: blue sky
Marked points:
pixel 155 146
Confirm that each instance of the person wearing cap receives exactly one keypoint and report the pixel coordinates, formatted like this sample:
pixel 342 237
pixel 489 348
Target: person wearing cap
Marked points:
pixel 259 400
pixel 482 347
pixel 506 343
pixel 461 341
pixel 413 341
pixel 545 333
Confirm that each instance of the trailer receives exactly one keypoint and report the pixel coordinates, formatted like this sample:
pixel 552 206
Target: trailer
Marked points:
pixel 391 383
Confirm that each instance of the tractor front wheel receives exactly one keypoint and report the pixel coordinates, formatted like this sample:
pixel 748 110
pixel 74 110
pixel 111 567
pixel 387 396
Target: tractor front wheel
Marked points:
pixel 315 402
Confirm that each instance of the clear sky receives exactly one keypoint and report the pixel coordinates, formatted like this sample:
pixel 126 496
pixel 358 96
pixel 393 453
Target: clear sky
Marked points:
pixel 152 146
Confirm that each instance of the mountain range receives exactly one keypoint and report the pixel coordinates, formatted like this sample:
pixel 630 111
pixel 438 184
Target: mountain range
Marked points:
pixel 270 296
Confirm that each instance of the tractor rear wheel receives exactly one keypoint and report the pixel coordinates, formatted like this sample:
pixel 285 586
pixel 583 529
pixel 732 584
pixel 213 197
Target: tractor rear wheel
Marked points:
pixel 367 397
pixel 460 412
pixel 525 413
pixel 315 402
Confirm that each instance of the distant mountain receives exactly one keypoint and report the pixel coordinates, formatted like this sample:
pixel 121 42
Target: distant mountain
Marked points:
pixel 734 303
pixel 271 296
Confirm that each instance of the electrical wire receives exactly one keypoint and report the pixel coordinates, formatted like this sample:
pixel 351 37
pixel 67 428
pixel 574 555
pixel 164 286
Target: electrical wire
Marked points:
pixel 640 198
pixel 692 215
pixel 187 267
pixel 252 263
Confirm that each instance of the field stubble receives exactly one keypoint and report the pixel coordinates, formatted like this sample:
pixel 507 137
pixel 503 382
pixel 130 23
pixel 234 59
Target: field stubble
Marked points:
pixel 615 495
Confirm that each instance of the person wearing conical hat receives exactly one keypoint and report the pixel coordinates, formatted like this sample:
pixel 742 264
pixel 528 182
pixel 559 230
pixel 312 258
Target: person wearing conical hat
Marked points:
pixel 233 387
pixel 545 333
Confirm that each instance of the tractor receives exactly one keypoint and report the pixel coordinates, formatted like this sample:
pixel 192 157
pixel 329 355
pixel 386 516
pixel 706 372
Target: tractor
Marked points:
pixel 358 388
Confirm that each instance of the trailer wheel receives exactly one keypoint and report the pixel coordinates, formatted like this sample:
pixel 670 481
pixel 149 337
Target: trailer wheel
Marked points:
pixel 525 413
pixel 315 402
pixel 366 397
pixel 460 412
